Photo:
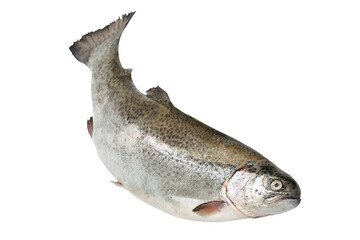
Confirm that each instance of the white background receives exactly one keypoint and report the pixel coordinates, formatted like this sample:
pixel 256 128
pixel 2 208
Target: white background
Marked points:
pixel 280 76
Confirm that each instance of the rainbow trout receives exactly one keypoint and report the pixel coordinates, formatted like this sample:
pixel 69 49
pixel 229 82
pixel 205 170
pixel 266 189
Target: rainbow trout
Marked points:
pixel 167 158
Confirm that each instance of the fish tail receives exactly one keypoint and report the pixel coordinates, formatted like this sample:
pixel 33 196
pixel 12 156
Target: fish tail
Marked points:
pixel 110 34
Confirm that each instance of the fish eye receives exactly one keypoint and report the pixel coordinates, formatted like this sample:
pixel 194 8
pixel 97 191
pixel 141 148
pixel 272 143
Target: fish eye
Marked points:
pixel 276 185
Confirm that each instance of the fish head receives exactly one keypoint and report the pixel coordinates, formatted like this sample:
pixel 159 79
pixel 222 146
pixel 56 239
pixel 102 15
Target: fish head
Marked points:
pixel 262 191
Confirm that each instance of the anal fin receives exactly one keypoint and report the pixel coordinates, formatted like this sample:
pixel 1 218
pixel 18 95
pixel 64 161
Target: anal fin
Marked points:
pixel 209 208
pixel 117 183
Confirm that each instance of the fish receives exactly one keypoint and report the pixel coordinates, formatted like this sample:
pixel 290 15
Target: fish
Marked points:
pixel 167 158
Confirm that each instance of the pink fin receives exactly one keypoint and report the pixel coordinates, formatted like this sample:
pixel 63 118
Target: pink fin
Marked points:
pixel 209 208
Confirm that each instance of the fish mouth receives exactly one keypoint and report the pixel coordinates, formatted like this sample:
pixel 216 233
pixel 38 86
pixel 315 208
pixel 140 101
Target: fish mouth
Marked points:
pixel 279 204
pixel 280 198
pixel 294 201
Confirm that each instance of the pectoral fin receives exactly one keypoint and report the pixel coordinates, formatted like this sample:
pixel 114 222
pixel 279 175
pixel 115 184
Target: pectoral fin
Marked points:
pixel 209 208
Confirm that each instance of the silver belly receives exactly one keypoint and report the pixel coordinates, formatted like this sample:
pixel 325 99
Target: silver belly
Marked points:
pixel 158 174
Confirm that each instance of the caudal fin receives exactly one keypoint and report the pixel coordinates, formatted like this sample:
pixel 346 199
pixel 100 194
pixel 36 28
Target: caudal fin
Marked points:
pixel 82 49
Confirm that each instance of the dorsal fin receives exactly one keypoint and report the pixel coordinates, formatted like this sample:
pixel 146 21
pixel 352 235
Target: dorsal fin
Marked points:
pixel 159 95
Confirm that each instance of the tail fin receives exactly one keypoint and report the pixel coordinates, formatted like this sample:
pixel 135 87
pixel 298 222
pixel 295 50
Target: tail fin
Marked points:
pixel 82 49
